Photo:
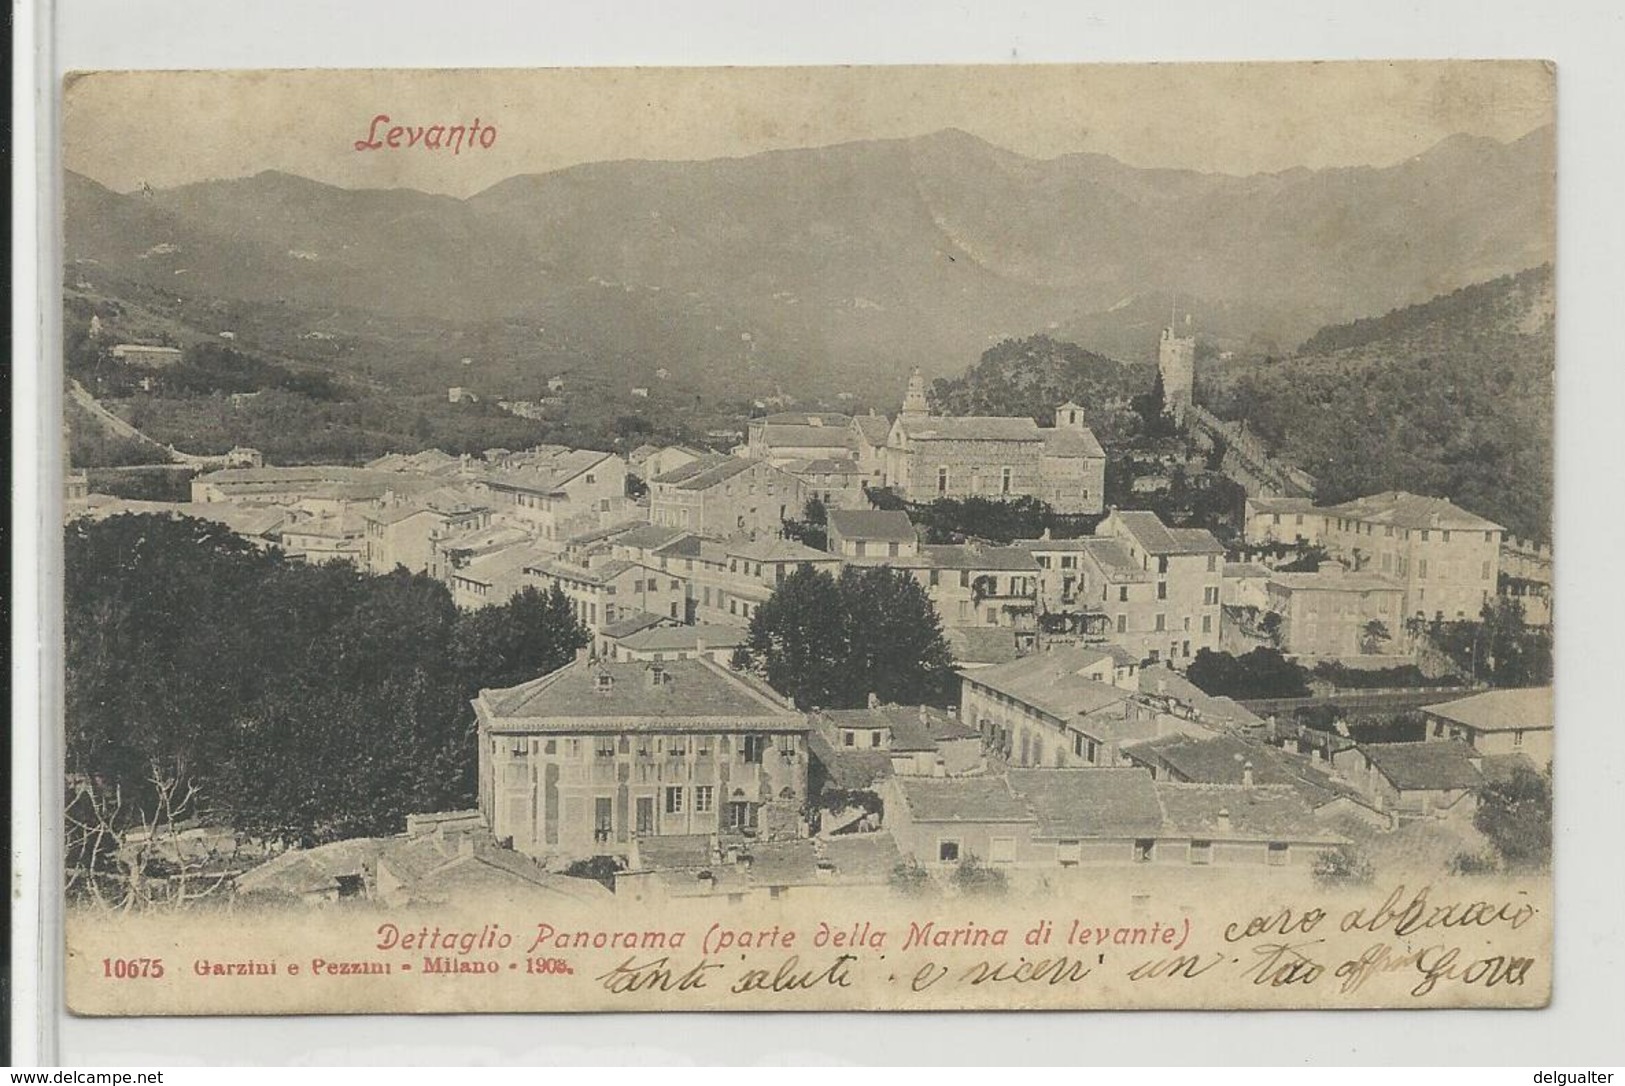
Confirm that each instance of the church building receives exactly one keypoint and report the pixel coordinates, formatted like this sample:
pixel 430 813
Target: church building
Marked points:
pixel 998 457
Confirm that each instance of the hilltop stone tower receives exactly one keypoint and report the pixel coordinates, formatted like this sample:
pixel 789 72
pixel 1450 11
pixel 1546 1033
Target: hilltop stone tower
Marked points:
pixel 914 402
pixel 1176 362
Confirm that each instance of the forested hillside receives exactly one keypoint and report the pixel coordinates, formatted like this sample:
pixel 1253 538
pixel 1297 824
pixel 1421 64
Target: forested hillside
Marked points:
pixel 1453 397
pixel 1033 376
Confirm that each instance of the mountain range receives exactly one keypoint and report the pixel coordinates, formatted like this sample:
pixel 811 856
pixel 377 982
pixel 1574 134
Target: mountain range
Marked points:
pixel 807 271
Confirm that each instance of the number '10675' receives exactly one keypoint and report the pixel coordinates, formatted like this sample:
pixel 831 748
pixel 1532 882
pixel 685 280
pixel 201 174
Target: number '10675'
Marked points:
pixel 133 968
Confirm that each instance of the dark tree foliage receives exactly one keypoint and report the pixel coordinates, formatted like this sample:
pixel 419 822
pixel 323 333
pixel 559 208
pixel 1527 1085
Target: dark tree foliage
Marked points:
pixel 976 879
pixel 798 641
pixel 812 529
pixel 895 647
pixel 1032 377
pixel 1193 499
pixel 1453 397
pixel 307 703
pixel 1499 648
pixel 954 520
pixel 532 634
pixel 292 428
pixel 831 642
pixel 1345 865
pixel 1261 673
pixel 158 483
pixel 1152 408
pixel 1516 815
pixel 601 869
pixel 1400 677
pixel 207 369
pixel 1309 561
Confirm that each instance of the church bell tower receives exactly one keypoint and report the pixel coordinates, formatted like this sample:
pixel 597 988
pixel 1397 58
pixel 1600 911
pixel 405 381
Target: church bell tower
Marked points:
pixel 914 403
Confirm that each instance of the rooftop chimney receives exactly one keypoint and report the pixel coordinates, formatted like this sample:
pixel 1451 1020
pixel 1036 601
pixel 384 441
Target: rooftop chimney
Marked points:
pixel 1224 819
pixel 1247 775
pixel 874 700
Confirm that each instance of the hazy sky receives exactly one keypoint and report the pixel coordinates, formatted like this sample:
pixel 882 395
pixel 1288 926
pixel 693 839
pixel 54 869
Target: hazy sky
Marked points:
pixel 170 128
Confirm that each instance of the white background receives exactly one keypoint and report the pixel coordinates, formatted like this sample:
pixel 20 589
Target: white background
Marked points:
pixel 1584 1024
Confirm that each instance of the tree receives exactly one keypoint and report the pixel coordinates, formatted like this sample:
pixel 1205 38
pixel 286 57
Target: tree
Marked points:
pixel 1499 647
pixel 211 682
pixel 910 880
pixel 1516 816
pixel 158 649
pixel 953 520
pixel 1261 673
pixel 1374 636
pixel 831 643
pixel 1155 420
pixel 1345 865
pixel 812 530
pixel 532 634
pixel 976 879
pixel 798 640
pixel 894 637
pixel 601 869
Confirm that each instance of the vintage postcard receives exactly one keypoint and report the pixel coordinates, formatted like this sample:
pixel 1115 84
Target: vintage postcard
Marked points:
pixel 1019 537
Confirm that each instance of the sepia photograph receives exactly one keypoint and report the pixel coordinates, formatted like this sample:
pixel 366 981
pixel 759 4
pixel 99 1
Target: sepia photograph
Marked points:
pixel 822 538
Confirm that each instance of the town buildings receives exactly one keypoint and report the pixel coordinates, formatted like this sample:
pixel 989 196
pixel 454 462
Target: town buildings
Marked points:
pixel 1445 559
pixel 325 537
pixel 872 533
pixel 869 435
pixel 977 585
pixel 836 483
pixel 658 642
pixel 938 456
pixel 1526 577
pixel 334 485
pixel 1164 599
pixel 402 531
pixel 1073 706
pixel 859 747
pixel 1414 780
pixel 607 589
pixel 583 760
pixel 648 461
pixel 493 578
pixel 1498 722
pixel 1282 520
pixel 788 436
pixel 559 491
pixel 1335 613
pixel 1068 818
pixel 443 857
pixel 725 497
